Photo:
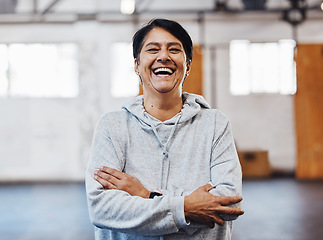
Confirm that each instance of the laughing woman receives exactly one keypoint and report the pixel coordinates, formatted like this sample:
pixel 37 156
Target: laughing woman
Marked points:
pixel 165 166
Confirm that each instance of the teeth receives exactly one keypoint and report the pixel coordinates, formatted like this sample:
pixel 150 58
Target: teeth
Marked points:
pixel 158 70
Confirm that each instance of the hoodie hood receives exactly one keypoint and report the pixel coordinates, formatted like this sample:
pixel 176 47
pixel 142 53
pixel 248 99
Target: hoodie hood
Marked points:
pixel 192 104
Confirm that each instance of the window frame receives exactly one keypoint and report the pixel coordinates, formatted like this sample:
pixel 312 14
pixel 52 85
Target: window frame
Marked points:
pixel 29 95
pixel 249 81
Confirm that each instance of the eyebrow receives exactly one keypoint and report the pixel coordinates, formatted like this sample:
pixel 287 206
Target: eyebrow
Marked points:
pixel 158 44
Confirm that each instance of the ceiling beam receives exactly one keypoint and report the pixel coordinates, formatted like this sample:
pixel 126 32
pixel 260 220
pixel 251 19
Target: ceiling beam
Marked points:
pixel 50 6
pixel 35 6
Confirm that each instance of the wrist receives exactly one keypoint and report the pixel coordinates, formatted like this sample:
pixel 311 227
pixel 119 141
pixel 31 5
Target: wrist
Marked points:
pixel 154 194
pixel 186 212
pixel 146 194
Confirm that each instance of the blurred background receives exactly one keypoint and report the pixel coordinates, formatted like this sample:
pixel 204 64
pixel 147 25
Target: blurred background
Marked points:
pixel 63 63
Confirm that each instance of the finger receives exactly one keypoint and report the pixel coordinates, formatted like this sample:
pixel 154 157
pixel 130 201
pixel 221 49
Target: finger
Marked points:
pixel 230 210
pixel 208 187
pixel 107 177
pixel 112 172
pixel 106 184
pixel 228 200
pixel 218 220
pixel 208 221
pixel 210 224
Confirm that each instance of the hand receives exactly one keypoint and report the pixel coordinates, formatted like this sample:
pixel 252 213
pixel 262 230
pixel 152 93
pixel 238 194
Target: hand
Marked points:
pixel 203 207
pixel 110 178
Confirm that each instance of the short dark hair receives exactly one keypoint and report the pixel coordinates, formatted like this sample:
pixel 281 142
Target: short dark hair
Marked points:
pixel 170 26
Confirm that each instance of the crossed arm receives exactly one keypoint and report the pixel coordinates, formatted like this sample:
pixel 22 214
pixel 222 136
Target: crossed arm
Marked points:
pixel 200 206
pixel 170 213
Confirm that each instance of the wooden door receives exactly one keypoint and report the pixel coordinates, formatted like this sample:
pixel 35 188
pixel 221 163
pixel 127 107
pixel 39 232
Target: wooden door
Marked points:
pixel 309 111
pixel 194 82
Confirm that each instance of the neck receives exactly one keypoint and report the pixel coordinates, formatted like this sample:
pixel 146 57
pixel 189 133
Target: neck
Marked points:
pixel 163 107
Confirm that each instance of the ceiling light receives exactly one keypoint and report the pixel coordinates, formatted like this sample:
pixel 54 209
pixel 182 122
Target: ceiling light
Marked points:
pixel 127 6
pixel 296 14
pixel 322 6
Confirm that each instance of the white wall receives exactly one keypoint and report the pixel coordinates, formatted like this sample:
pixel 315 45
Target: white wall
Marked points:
pixel 263 121
pixel 259 122
pixel 49 139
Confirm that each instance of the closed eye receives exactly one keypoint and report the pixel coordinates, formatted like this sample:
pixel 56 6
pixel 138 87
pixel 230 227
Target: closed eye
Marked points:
pixel 175 50
pixel 153 50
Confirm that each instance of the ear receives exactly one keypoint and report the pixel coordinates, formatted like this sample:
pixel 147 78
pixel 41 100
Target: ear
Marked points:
pixel 188 67
pixel 136 65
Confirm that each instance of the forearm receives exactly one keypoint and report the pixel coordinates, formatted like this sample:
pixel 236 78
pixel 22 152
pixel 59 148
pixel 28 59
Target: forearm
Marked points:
pixel 226 174
pixel 191 226
pixel 117 210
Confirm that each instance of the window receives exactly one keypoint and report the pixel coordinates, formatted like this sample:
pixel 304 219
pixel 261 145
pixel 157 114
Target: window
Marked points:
pixel 124 81
pixel 262 67
pixel 38 70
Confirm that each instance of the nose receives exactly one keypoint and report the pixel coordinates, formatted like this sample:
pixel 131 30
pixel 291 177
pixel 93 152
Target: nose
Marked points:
pixel 163 56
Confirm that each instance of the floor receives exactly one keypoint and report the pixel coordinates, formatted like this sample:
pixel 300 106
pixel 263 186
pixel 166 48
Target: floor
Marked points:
pixel 276 209
pixel 44 212
pixel 281 209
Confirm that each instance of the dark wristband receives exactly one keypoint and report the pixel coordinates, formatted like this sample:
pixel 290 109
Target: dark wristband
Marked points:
pixel 154 194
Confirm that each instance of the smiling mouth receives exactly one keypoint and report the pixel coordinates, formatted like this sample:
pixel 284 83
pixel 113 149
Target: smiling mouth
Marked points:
pixel 163 71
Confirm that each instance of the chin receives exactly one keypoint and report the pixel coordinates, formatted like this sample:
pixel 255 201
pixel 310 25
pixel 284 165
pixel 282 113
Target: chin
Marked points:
pixel 168 90
pixel 164 88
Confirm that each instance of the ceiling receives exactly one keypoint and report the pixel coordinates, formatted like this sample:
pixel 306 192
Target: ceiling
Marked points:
pixel 75 10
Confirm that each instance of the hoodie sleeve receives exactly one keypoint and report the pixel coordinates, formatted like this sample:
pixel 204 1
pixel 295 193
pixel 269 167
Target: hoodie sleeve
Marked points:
pixel 226 175
pixel 117 210
pixel 225 169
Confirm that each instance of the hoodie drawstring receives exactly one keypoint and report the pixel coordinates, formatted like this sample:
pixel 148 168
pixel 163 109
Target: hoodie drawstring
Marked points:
pixel 165 172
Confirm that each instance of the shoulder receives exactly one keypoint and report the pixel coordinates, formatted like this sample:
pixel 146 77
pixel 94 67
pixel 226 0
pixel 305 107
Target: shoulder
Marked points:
pixel 215 114
pixel 114 116
pixel 113 119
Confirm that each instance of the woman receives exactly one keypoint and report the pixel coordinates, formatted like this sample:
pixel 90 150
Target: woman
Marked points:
pixel 165 167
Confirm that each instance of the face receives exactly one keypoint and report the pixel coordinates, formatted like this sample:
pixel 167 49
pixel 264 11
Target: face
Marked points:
pixel 162 63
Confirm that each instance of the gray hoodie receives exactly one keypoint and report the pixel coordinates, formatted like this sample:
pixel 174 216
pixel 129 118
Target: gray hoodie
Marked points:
pixel 176 156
